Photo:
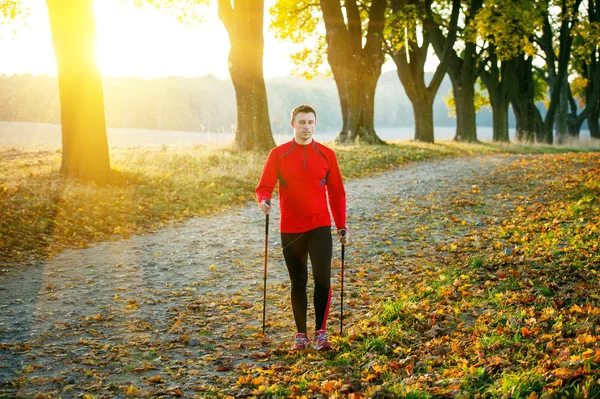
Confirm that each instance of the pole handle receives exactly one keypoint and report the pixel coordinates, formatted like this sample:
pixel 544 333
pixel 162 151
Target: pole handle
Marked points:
pixel 268 202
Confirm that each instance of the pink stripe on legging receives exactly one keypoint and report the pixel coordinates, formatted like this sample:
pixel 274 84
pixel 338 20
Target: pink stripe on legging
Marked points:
pixel 324 325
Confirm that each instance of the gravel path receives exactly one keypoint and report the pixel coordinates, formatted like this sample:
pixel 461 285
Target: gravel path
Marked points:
pixel 70 315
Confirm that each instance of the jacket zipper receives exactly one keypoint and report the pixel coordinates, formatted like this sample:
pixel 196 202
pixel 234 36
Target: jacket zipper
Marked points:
pixel 304 164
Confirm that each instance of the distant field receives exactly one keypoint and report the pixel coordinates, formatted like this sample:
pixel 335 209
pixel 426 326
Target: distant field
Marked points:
pixel 48 136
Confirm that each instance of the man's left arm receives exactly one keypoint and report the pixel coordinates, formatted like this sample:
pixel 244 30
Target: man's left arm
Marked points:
pixel 337 197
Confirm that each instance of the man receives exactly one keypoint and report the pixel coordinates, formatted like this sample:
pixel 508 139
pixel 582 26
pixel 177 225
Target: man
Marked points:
pixel 309 178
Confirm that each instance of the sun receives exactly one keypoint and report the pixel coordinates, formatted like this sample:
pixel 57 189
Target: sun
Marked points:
pixel 148 43
pixel 138 42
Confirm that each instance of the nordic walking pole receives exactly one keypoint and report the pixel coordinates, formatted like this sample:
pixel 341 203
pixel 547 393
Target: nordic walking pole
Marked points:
pixel 268 202
pixel 342 233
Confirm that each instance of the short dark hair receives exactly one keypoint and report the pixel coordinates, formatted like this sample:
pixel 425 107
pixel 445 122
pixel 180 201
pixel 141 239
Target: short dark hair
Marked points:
pixel 303 108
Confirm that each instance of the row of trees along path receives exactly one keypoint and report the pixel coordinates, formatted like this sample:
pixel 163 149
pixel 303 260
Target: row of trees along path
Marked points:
pixel 499 44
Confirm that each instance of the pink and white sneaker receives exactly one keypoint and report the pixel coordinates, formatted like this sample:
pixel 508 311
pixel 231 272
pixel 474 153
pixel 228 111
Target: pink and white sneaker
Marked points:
pixel 321 343
pixel 301 342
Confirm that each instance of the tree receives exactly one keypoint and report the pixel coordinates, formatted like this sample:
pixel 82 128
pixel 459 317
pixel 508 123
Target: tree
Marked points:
pixel 504 30
pixel 586 84
pixel 523 97
pixel 402 44
pixel 462 68
pixel 356 68
pixel 84 142
pixel 243 20
pixel 244 24
pixel 556 42
pixel 354 48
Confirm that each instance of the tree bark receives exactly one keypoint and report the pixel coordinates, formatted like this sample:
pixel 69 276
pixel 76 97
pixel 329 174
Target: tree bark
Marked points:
pixel 593 122
pixel 84 141
pixel 464 99
pixel 462 71
pixel 496 81
pixel 411 73
pixel 522 98
pixel 561 125
pixel 590 69
pixel 500 118
pixel 594 71
pixel 356 69
pixel 569 11
pixel 423 111
pixel 244 25
pixel 412 76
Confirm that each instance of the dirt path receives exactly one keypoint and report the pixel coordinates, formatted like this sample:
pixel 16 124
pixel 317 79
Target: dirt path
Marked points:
pixel 185 304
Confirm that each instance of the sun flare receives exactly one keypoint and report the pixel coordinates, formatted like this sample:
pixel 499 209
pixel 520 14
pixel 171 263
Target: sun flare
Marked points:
pixel 138 42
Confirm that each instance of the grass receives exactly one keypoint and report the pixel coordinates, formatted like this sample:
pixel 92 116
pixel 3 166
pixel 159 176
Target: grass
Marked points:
pixel 511 326
pixel 475 322
pixel 42 213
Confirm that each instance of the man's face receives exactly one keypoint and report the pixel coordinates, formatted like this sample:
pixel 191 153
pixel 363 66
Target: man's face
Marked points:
pixel 304 126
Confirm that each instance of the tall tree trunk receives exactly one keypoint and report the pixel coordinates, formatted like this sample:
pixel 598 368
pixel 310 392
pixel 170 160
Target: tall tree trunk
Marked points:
pixel 244 24
pixel 569 10
pixel 500 118
pixel 593 122
pixel 525 121
pixel 356 89
pixel 464 99
pixel 561 125
pixel 412 76
pixel 574 121
pixel 528 122
pixel 411 70
pixel 84 142
pixel 462 71
pixel 423 111
pixel 496 79
pixel 590 69
pixel 521 89
pixel 594 71
pixel 356 69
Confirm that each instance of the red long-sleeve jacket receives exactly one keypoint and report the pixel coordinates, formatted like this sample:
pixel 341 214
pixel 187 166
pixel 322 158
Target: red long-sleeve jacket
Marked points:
pixel 308 175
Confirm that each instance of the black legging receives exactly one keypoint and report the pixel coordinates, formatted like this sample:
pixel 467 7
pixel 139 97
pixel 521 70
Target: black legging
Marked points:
pixel 296 247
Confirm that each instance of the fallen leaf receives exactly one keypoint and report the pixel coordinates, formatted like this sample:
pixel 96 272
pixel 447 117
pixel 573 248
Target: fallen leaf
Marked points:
pixel 157 379
pixel 132 391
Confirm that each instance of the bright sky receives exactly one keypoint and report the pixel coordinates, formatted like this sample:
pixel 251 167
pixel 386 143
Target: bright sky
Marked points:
pixel 138 42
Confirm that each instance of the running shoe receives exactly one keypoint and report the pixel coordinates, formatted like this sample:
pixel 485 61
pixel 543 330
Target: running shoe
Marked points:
pixel 301 342
pixel 321 343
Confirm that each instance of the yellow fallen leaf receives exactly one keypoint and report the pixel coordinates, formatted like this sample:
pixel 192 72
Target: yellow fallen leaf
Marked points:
pixel 133 304
pixel 370 377
pixel 132 391
pixel 588 353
